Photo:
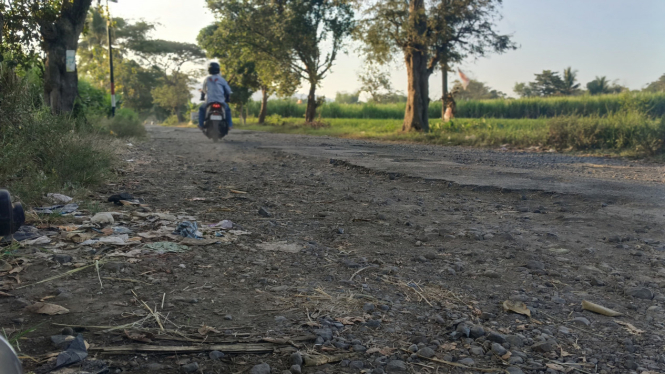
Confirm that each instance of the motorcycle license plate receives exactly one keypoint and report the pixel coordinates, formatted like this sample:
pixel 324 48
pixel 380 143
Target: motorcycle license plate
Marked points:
pixel 216 118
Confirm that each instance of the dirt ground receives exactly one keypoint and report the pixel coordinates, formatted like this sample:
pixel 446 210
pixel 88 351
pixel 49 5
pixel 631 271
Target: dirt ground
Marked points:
pixel 359 269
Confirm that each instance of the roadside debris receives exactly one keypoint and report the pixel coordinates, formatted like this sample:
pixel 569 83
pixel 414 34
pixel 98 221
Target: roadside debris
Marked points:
pixel 57 209
pixel 165 247
pixel 517 307
pixel 57 198
pixel 188 230
pixel 587 305
pixel 75 353
pixel 46 308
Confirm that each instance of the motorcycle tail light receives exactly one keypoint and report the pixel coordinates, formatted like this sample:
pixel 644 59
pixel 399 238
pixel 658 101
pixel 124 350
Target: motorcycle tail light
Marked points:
pixel 216 106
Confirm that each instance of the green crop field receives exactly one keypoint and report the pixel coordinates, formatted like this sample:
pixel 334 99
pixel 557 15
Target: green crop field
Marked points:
pixel 652 104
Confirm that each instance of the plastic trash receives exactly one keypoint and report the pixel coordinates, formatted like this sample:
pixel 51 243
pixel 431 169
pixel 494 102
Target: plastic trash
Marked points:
pixel 224 225
pixel 188 229
pixel 116 199
pixel 57 198
pixel 105 218
pixel 121 230
pixel 23 233
pixel 57 209
pixel 75 353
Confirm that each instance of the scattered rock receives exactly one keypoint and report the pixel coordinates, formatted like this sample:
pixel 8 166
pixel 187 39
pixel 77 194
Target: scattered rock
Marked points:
pixel 190 368
pixel 514 370
pixel 356 365
pixel 153 366
pixel 264 212
pixel 295 369
pixel 515 341
pixel 581 321
pixel 102 219
pixel 68 331
pixel 62 258
pixel 216 355
pixel 498 349
pixel 640 293
pixel 467 361
pixel 544 347
pixel 476 332
pixel 426 352
pixel 535 265
pixel 260 369
pixel 369 307
pixel 496 337
pixel 396 366
pixel 296 359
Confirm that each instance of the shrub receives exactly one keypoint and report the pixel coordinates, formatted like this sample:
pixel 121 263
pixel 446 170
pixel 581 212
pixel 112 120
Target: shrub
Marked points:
pixel 126 124
pixel 172 121
pixel 632 130
pixel 41 152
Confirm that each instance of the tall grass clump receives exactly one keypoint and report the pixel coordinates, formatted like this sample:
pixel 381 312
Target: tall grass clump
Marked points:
pixel 631 131
pixel 125 124
pixel 42 152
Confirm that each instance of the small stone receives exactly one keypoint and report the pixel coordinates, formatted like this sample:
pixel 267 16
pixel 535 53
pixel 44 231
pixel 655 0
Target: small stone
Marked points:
pixel 68 331
pixel 477 351
pixel 597 282
pixel 153 366
pixel 295 369
pixel 61 341
pixel 496 337
pixel 515 341
pixel 426 352
pixel 190 368
pixel 260 369
pixel 581 321
pixel 356 365
pixel 265 213
pixel 514 370
pixel 325 333
pixel 216 355
pixel 544 347
pixel 535 265
pixel 564 330
pixel 439 319
pixel 280 319
pixel 498 349
pixel 62 258
pixel 413 348
pixel 340 231
pixel 359 348
pixel 630 364
pixel 228 317
pixel 296 359
pixel 396 366
pixel 369 307
pixel 463 329
pixel 640 293
pixel 515 360
pixel 467 361
pixel 477 332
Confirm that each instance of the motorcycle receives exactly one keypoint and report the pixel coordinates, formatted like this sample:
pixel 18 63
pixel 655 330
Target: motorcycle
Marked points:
pixel 215 125
pixel 9 362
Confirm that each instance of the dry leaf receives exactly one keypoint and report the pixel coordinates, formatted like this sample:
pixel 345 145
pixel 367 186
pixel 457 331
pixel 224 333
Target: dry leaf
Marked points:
pixel 387 351
pixel 564 353
pixel 555 367
pixel 205 330
pixel 373 350
pixel 312 324
pixel 4 266
pixel 449 346
pixel 46 298
pixel 587 305
pixel 144 337
pixel 15 270
pixel 238 192
pixel 631 329
pixel 199 199
pixel 4 294
pixel 506 356
pixel 46 308
pixel 517 307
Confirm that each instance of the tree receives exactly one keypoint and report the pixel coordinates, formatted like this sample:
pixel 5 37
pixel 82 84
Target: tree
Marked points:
pixel 347 98
pixel 376 82
pixel 173 94
pixel 435 34
pixel 549 83
pixel 601 85
pixel 292 33
pixel 657 86
pixel 58 23
pixel 265 75
pixel 476 91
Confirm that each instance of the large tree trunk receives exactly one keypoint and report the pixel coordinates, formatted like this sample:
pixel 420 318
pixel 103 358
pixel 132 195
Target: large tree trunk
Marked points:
pixel 310 112
pixel 61 86
pixel 264 105
pixel 416 117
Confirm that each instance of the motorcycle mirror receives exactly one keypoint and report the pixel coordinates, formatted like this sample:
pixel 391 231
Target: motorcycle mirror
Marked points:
pixel 9 361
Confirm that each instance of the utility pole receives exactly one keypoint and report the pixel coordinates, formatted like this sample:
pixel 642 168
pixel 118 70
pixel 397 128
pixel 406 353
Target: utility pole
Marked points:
pixel 108 29
pixel 110 42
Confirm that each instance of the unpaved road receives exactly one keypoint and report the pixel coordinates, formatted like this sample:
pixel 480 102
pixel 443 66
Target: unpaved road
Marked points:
pixel 363 252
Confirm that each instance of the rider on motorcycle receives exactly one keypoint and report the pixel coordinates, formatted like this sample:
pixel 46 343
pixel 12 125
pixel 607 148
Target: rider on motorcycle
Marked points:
pixel 217 90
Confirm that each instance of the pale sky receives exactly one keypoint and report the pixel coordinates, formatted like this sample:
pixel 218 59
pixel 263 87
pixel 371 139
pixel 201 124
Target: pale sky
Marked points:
pixel 620 39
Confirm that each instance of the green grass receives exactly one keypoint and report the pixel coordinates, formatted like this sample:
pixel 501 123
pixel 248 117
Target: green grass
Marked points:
pixel 629 134
pixel 652 104
pixel 475 132
pixel 42 152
